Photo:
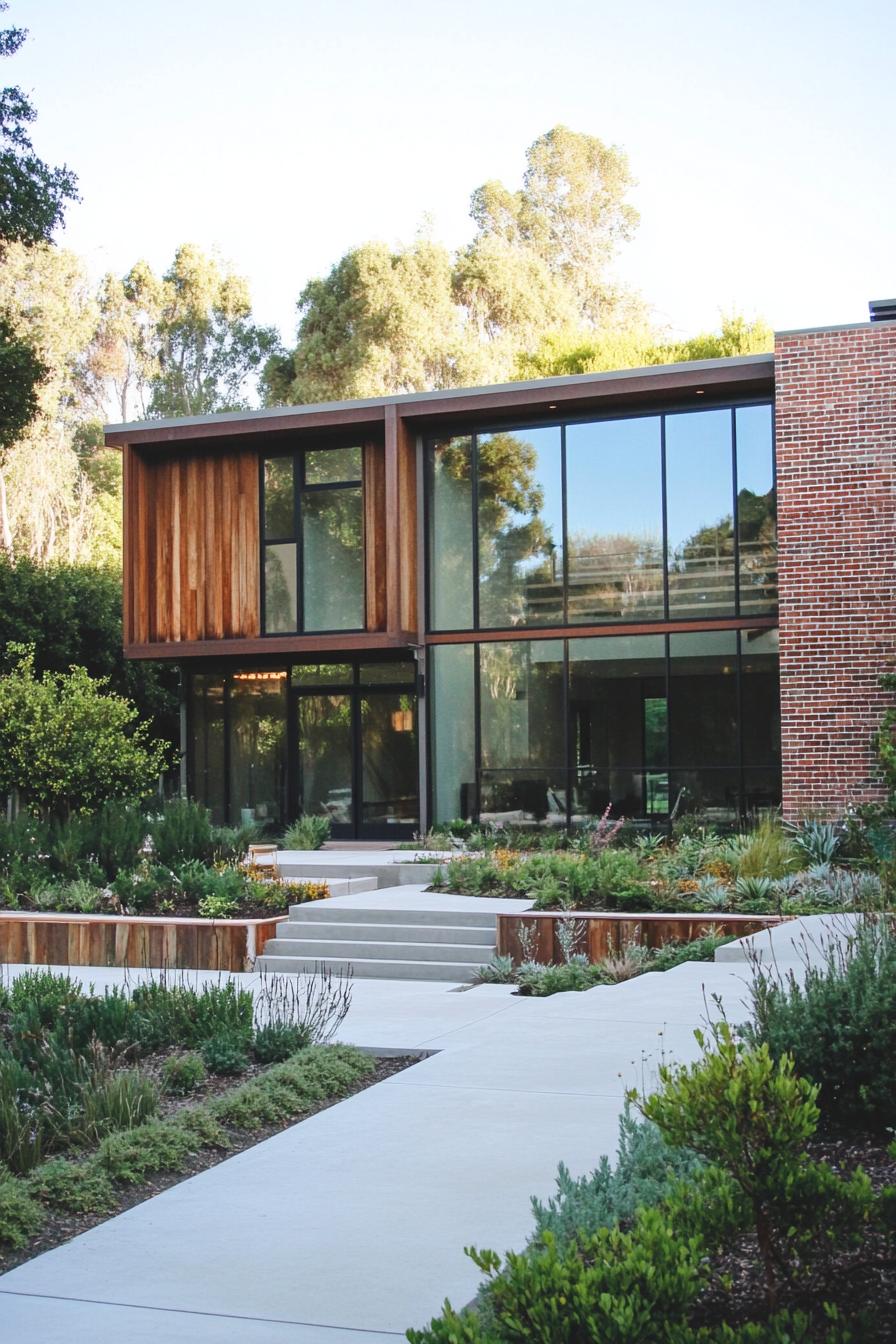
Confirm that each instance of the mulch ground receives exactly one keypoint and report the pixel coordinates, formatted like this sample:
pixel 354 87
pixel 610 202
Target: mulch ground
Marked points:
pixel 855 1279
pixel 61 1227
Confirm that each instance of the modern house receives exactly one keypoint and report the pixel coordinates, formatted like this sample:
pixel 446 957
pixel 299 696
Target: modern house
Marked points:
pixel 666 589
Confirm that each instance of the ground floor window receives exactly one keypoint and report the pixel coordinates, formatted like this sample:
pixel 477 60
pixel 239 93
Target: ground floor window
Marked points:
pixel 551 732
pixel 328 739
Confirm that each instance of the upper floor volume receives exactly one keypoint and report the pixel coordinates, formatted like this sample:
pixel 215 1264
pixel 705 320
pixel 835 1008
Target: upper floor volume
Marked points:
pixel 627 500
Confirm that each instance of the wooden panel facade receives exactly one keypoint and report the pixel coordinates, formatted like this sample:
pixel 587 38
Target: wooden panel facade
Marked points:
pixel 191 549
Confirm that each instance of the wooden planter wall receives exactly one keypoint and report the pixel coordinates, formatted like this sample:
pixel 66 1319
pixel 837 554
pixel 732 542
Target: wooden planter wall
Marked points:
pixel 606 934
pixel 28 938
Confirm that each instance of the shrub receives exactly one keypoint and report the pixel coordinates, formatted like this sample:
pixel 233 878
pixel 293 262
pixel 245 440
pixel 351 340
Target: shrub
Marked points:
pixel 67 744
pixel 751 1116
pixel 315 1005
pixel 182 1074
pixel 134 1155
pixel 21 1217
pixel 307 833
pixel 614 1287
pixel 576 974
pixel 276 1041
pixel 21 1123
pixel 225 1053
pixel 838 1025
pixel 644 1173
pixel 182 831
pixel 219 905
pixel 767 852
pixel 818 840
pixel 676 954
pixel 175 1014
pixel 77 895
pixel 77 1187
pixel 499 971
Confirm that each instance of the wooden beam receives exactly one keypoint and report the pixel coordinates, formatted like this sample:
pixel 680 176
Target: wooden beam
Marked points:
pixel 392 523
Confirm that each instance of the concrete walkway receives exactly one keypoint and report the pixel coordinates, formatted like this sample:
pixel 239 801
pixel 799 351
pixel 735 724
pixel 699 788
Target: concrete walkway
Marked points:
pixel 351 1225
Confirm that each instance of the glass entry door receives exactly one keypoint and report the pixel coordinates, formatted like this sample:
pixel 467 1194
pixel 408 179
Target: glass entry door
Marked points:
pixel 357 754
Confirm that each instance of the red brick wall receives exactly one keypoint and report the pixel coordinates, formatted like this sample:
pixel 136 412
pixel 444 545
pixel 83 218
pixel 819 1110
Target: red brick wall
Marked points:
pixel 835 423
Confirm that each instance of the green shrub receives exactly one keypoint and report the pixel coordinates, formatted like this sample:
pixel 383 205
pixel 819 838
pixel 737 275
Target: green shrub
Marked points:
pixel 614 1287
pixel 21 1217
pixel 838 1025
pixel 47 991
pixel 669 956
pixel 202 1127
pixel 307 833
pixel 577 974
pixel 314 1004
pixel 144 887
pixel 77 896
pixel 643 1174
pixel 77 1187
pixel 751 1116
pixel 182 1074
pixel 768 851
pixel 168 1014
pixel 133 1155
pixel 276 1041
pixel 182 831
pixel 498 971
pixel 22 1127
pixel 225 1053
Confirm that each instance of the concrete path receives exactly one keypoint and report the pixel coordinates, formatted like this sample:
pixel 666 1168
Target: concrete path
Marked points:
pixel 350 1226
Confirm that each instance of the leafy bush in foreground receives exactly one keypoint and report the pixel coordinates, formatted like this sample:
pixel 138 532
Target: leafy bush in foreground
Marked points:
pixel 838 1025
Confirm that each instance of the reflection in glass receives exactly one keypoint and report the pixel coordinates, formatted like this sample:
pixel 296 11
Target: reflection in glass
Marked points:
pixel 756 511
pixel 520 528
pixel 453 733
pixel 699 509
pixel 280 607
pixel 330 465
pixel 206 745
pixel 388 759
pixel 279 497
pixel 325 757
pixel 703 723
pixel 760 699
pixel 617 710
pixel 322 674
pixel 521 728
pixel 387 674
pixel 451 535
pixel 257 747
pixel 332 560
pixel 614 520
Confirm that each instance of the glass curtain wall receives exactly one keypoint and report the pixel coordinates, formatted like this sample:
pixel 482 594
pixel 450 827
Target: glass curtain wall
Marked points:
pixel 638 518
pixel 236 745
pixel 550 732
pixel 313 515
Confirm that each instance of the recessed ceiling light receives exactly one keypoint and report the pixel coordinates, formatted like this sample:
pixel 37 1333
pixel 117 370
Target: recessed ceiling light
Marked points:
pixel 552 406
pixel 699 391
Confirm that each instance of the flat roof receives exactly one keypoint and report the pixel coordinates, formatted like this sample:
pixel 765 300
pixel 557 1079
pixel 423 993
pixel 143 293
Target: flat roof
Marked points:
pixel 508 397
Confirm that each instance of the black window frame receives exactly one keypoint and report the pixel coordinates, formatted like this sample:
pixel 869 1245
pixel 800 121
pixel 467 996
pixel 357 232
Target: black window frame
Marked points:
pixel 662 413
pixel 301 488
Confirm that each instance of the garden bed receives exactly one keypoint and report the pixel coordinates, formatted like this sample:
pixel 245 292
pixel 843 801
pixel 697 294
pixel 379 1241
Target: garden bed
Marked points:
pixel 606 934
pixel 31 938
pixel 61 1225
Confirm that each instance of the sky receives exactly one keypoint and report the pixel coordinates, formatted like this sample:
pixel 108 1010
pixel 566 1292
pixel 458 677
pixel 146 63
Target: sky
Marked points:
pixel 761 135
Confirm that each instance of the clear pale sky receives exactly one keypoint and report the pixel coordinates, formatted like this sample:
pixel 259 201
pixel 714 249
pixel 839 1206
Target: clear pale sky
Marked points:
pixel 761 134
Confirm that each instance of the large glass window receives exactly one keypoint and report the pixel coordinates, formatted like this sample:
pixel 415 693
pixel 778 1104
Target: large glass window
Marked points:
pixel 608 521
pixel 523 776
pixel 258 746
pixel 756 511
pixel 651 726
pixel 451 534
pixel 700 514
pixel 313 541
pixel 205 744
pixel 618 726
pixel 453 730
pixel 520 528
pixel 615 520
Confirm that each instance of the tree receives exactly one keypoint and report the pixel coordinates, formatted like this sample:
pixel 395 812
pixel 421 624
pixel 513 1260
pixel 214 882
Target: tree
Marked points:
pixel 197 343
pixel 381 322
pixel 32 195
pixel 67 744
pixel 571 213
pixel 71 614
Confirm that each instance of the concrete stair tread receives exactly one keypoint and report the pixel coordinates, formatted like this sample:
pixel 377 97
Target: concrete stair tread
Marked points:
pixel 300 928
pixel 330 911
pixel 346 948
pixel 456 972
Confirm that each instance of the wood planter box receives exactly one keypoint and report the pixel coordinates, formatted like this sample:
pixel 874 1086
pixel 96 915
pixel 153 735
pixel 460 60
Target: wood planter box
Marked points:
pixel 607 933
pixel 30 938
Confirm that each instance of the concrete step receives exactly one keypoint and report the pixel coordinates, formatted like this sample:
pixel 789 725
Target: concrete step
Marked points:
pixel 332 931
pixel 370 968
pixel 327 911
pixel 351 949
pixel 341 886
